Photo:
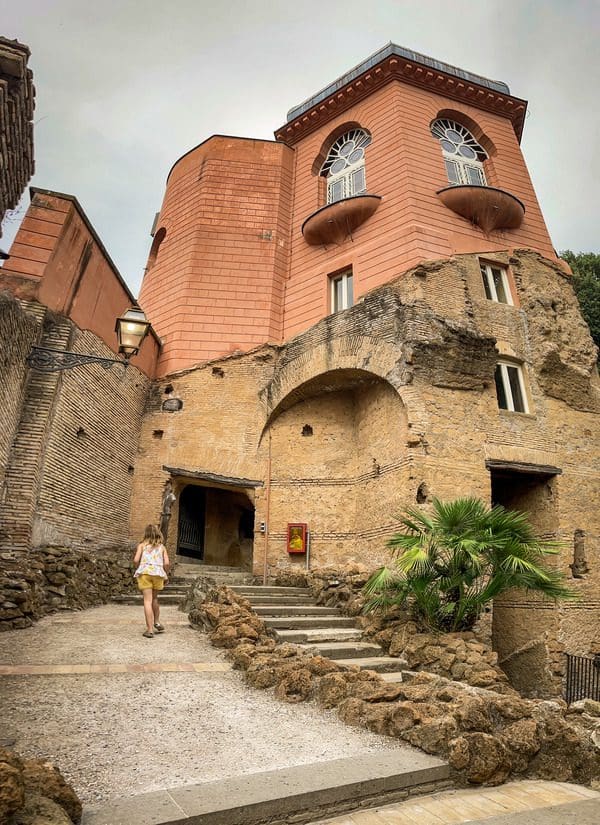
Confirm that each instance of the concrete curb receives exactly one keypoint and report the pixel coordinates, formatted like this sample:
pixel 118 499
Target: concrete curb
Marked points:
pixel 299 794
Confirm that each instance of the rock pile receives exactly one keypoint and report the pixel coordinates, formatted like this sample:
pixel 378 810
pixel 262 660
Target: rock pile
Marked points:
pixel 57 578
pixel 486 736
pixel 33 791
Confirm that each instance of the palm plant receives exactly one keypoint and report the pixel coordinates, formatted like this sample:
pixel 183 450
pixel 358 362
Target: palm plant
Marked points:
pixel 448 565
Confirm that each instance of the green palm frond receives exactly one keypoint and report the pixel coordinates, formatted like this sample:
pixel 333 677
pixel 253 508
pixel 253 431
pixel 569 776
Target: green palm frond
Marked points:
pixel 449 563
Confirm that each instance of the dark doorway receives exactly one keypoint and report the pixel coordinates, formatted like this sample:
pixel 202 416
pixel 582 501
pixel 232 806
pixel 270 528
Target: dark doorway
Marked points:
pixel 531 493
pixel 520 630
pixel 192 521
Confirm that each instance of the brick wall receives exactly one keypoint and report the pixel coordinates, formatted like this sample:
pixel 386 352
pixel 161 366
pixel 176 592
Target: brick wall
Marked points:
pixel 18 331
pixel 69 440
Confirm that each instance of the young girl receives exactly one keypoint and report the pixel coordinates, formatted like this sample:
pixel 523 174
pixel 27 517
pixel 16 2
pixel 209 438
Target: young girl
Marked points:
pixel 153 569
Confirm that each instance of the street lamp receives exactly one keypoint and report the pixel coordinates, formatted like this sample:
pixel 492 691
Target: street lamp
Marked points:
pixel 131 328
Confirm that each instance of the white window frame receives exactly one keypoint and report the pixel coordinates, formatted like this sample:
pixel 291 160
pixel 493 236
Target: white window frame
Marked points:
pixel 346 278
pixel 348 181
pixel 488 277
pixel 503 367
pixel 460 171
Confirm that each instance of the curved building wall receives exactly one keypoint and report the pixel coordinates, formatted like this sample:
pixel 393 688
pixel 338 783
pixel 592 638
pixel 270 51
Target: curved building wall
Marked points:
pixel 215 282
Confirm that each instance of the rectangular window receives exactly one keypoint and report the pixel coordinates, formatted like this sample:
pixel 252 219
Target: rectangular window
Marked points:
pixel 358 181
pixel 474 175
pixel 342 291
pixel 495 283
pixel 510 388
pixel 453 171
pixel 336 190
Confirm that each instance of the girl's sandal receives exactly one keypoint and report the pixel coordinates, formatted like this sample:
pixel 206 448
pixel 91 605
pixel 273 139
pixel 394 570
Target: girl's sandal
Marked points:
pixel 148 635
pixel 159 628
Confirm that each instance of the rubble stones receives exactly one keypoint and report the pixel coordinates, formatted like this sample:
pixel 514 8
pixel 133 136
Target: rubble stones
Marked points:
pixel 33 791
pixel 57 578
pixel 486 736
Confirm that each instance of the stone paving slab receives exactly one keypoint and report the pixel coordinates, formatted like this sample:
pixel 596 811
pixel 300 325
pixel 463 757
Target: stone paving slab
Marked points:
pixel 291 794
pixel 529 802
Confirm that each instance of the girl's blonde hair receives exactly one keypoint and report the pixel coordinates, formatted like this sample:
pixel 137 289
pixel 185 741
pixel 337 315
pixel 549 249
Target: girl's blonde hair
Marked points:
pixel 153 535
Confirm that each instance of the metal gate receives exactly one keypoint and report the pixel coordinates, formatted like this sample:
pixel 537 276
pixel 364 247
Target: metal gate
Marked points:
pixel 583 678
pixel 192 513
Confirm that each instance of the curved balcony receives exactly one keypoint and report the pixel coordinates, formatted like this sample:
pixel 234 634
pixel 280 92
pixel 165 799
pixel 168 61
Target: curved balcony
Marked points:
pixel 486 206
pixel 333 223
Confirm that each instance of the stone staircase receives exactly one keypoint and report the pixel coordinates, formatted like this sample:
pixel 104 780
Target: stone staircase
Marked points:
pixel 294 616
pixel 183 575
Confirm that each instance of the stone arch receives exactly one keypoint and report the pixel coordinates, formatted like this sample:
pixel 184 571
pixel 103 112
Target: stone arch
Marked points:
pixel 340 462
pixel 347 353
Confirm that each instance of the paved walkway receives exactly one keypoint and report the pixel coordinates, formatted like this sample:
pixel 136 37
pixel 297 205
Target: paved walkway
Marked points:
pixel 123 715
pixel 515 803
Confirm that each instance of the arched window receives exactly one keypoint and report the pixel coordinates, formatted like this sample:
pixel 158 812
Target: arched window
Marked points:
pixel 344 166
pixel 462 154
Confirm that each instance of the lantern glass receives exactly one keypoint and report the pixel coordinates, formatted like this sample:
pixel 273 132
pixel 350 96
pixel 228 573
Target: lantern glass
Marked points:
pixel 132 327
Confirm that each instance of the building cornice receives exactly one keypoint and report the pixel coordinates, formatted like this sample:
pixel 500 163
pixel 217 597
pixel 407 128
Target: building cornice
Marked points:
pixel 396 67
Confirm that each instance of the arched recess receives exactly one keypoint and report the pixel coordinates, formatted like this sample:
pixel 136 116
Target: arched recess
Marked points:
pixel 158 239
pixel 339 463
pixel 375 357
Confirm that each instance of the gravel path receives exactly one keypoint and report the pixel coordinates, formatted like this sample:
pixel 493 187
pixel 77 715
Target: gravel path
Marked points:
pixel 115 734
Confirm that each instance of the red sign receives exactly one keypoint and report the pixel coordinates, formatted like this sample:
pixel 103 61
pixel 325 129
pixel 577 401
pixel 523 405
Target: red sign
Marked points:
pixel 296 538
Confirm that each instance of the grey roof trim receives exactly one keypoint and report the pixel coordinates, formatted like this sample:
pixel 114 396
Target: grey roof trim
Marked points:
pixel 227 481
pixel 400 51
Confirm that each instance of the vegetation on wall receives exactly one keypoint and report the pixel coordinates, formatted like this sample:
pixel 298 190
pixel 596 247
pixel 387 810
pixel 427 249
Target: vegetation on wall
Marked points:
pixel 448 564
pixel 586 280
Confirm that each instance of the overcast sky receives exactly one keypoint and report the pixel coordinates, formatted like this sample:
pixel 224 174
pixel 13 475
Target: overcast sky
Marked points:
pixel 125 88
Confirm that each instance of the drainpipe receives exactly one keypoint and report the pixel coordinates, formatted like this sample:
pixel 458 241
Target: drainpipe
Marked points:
pixel 267 514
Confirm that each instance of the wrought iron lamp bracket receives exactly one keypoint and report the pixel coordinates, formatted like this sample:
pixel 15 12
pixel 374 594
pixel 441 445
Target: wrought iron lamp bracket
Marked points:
pixel 45 359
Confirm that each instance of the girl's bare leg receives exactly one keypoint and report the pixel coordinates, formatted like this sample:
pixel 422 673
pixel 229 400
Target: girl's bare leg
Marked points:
pixel 148 612
pixel 155 607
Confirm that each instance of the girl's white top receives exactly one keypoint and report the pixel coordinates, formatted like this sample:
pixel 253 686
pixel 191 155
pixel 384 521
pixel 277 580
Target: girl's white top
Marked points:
pixel 151 563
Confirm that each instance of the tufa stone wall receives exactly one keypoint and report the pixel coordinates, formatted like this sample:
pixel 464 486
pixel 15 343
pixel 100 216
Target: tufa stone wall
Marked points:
pixel 388 404
pixel 16 123
pixel 47 579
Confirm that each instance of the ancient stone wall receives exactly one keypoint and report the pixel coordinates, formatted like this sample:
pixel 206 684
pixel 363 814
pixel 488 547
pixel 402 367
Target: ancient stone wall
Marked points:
pixel 393 402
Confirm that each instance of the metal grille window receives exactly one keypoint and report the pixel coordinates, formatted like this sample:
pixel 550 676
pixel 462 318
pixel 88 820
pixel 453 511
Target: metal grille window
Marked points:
pixel 463 156
pixel 510 387
pixel 342 294
pixel 344 167
pixel 495 283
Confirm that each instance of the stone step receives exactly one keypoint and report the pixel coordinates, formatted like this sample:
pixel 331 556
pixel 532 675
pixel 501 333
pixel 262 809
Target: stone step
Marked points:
pixel 320 634
pixel 344 650
pixel 137 598
pixel 291 622
pixel 393 676
pixel 381 664
pixel 260 600
pixel 299 794
pixel 294 610
pixel 270 590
